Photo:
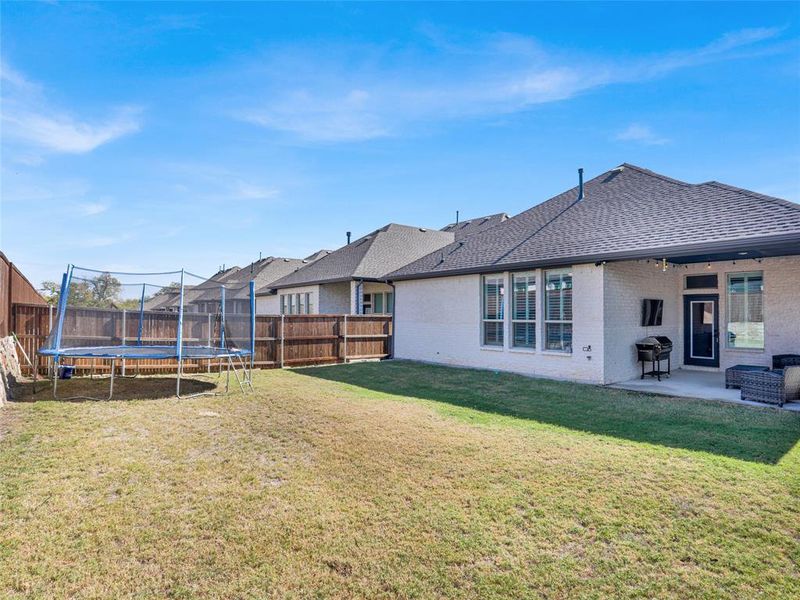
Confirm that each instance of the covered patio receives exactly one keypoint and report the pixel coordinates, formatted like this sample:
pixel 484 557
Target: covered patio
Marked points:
pixel 686 383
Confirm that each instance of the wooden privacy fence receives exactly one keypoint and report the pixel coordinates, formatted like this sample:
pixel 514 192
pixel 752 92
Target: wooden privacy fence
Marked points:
pixel 280 340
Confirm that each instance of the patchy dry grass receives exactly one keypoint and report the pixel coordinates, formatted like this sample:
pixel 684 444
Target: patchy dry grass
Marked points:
pixel 457 484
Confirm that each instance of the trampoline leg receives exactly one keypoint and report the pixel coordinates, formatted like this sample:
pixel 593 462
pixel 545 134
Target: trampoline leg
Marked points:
pixel 227 375
pixel 55 378
pixel 111 387
pixel 178 384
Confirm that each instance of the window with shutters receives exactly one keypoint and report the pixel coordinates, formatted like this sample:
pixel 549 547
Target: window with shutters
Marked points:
pixel 523 310
pixel 493 310
pixel 558 310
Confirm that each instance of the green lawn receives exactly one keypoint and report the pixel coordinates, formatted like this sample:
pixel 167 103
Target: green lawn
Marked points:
pixel 397 480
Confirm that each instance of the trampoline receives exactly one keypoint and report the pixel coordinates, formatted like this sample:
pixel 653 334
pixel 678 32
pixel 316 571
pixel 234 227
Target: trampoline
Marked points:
pixel 163 319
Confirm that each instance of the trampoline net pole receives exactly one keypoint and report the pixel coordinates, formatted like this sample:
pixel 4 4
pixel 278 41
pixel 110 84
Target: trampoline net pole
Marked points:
pixel 180 338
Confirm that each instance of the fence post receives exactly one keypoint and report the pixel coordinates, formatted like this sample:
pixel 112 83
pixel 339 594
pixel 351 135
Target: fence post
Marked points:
pixel 209 340
pixel 283 323
pixel 344 359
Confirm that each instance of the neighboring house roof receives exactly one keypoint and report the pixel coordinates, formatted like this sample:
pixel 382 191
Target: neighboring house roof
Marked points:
pixel 626 213
pixel 163 300
pixel 464 229
pixel 370 257
pixel 237 284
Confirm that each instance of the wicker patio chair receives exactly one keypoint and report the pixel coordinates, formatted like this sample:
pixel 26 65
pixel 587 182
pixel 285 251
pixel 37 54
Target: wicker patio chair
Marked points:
pixel 780 361
pixel 772 387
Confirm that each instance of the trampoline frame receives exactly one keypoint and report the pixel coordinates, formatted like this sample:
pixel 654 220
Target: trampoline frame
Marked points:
pixel 178 351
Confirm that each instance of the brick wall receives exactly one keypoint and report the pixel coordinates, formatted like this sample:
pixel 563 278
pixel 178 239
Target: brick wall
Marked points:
pixel 439 320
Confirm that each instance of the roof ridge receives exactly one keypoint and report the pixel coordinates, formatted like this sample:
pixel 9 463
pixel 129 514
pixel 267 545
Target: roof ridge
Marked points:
pixel 752 194
pixel 644 171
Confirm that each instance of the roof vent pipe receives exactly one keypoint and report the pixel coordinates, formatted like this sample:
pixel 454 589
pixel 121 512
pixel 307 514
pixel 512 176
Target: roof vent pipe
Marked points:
pixel 580 185
pixel 456 217
pixel 348 237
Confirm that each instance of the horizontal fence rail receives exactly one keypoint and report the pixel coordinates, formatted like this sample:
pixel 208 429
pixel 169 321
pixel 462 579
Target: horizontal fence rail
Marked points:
pixel 280 340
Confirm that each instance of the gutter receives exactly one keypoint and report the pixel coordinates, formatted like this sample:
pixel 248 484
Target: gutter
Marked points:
pixel 394 320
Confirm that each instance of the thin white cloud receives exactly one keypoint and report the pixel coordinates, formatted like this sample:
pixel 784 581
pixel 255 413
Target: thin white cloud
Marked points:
pixel 30 121
pixel 216 183
pixel 89 209
pixel 643 134
pixel 103 240
pixel 355 93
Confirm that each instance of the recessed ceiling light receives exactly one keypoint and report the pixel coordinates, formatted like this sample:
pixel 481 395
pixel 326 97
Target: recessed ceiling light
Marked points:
pixel 742 253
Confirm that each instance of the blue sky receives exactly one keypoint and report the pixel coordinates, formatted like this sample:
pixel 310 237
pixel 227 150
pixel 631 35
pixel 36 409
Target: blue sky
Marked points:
pixel 142 136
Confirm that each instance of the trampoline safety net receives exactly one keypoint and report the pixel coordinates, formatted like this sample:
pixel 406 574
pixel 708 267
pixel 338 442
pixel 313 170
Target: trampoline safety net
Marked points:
pixel 106 314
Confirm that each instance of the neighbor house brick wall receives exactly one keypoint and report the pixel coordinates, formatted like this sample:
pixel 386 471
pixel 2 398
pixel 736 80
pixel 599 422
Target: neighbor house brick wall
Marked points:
pixel 268 305
pixel 334 298
pixel 439 320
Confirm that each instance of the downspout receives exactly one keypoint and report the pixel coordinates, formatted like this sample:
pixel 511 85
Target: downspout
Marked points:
pixel 358 296
pixel 394 321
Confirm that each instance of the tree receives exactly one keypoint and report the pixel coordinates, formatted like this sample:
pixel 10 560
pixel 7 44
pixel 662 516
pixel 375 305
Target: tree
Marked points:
pixel 101 291
pixel 105 289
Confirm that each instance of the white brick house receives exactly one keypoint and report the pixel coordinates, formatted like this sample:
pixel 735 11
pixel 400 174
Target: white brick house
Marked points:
pixel 558 290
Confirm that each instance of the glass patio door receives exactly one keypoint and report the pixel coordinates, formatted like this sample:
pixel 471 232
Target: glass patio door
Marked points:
pixel 701 330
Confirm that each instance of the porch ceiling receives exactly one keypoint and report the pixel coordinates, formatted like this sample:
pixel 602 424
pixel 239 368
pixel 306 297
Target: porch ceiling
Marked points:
pixel 746 251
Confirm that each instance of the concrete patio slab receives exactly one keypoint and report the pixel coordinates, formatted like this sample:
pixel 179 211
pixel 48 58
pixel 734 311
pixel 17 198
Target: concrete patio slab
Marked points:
pixel 685 383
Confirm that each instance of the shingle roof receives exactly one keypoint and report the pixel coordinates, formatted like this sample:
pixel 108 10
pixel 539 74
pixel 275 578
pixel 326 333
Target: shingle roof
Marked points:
pixel 370 257
pixel 627 212
pixel 468 227
pixel 237 284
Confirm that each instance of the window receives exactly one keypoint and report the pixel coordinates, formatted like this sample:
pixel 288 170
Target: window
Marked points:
pixel 745 310
pixel 366 304
pixel 493 309
pixel 699 282
pixel 377 303
pixel 523 310
pixel 291 303
pixel 558 310
pixel 301 306
pixel 390 302
pixel 308 303
pixel 283 304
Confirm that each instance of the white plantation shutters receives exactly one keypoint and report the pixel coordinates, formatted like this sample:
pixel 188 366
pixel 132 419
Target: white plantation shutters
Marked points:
pixel 523 310
pixel 493 309
pixel 558 310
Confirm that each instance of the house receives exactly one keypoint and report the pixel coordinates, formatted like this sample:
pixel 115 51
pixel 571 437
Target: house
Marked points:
pixel 351 280
pixel 267 302
pixel 207 296
pixel 558 290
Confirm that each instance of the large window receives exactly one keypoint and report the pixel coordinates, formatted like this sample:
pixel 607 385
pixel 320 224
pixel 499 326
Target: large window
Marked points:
pixel 309 308
pixel 523 310
pixel 283 304
pixel 301 306
pixel 493 309
pixel 558 310
pixel 745 310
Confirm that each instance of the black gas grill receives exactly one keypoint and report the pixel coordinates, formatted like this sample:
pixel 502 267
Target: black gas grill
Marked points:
pixel 654 349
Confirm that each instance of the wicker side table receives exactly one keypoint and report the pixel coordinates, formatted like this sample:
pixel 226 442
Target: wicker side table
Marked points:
pixel 733 375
